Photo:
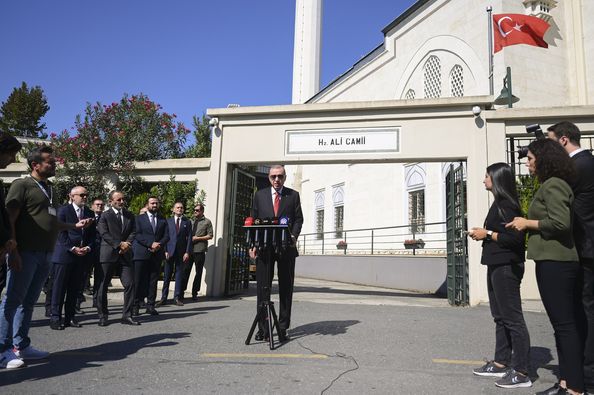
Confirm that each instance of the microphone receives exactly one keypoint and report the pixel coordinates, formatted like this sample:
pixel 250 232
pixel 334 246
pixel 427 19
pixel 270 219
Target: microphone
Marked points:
pixel 284 221
pixel 266 221
pixel 257 221
pixel 248 222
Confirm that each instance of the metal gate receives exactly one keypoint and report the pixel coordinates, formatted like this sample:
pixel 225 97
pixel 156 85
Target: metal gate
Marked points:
pixel 457 281
pixel 238 273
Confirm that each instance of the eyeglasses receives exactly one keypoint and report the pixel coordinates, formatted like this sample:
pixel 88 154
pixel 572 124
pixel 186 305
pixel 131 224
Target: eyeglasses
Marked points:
pixel 197 209
pixel 99 204
pixel 279 176
pixel 82 195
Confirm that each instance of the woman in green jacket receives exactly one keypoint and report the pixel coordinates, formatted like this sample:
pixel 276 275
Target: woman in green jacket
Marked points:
pixel 551 246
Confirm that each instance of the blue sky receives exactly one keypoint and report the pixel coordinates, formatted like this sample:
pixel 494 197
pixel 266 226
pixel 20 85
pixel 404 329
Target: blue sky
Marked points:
pixel 187 55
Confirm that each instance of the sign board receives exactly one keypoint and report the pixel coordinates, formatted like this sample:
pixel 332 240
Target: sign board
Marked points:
pixel 339 141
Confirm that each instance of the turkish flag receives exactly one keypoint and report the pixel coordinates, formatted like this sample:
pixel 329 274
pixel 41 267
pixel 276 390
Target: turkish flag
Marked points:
pixel 512 29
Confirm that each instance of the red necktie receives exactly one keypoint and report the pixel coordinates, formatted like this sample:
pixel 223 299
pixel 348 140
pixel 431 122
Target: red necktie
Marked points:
pixel 177 225
pixel 276 203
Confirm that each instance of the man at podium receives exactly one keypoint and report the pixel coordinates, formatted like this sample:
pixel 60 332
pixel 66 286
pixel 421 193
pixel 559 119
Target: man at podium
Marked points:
pixel 278 201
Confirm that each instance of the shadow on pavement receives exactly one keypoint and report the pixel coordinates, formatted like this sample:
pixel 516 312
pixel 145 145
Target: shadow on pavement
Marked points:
pixel 366 292
pixel 322 328
pixel 540 358
pixel 71 361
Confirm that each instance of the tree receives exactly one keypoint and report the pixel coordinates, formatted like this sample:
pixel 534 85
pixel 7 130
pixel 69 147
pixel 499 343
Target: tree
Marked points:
pixel 202 147
pixel 109 138
pixel 21 113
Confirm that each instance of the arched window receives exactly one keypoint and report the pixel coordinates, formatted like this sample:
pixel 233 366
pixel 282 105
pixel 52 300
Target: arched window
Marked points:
pixel 432 77
pixel 457 81
pixel 410 94
pixel 319 219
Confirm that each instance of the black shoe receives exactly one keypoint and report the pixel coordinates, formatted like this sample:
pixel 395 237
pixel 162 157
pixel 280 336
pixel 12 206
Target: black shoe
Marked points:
pixel 103 321
pixel 77 310
pixel 72 323
pixel 194 297
pixel 179 302
pixel 142 304
pixel 56 325
pixel 554 390
pixel 135 312
pixel 48 313
pixel 261 336
pixel 129 321
pixel 283 336
pixel 151 311
pixel 160 303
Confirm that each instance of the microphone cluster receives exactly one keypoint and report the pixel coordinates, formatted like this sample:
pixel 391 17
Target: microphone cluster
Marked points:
pixel 267 232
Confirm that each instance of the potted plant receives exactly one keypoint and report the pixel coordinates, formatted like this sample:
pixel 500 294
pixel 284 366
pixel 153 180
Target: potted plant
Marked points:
pixel 414 244
pixel 341 245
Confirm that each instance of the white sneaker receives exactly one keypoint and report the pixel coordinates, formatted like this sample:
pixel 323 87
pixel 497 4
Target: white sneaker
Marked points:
pixel 9 360
pixel 30 353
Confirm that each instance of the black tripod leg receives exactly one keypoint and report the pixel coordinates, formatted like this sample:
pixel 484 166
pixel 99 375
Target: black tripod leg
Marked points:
pixel 258 314
pixel 271 314
pixel 281 338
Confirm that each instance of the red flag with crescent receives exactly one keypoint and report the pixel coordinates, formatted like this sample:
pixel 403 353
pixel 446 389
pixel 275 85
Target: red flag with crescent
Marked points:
pixel 512 29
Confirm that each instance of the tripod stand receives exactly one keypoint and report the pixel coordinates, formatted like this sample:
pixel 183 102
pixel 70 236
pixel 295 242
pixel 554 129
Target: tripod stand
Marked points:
pixel 265 247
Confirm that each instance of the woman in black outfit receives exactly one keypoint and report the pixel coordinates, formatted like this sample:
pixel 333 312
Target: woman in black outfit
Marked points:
pixel 503 253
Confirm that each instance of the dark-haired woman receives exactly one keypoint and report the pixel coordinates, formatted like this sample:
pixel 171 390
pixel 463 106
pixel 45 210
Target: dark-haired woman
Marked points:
pixel 503 253
pixel 550 244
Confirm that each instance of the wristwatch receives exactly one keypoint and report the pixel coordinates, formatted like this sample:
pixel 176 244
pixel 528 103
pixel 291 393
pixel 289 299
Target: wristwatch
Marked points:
pixel 489 235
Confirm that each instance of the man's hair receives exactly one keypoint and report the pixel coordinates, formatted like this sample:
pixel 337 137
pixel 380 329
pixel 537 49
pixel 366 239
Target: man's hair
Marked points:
pixel 179 202
pixel 36 154
pixel 277 167
pixel 566 129
pixel 151 197
pixel 110 196
pixel 9 143
pixel 98 198
pixel 199 204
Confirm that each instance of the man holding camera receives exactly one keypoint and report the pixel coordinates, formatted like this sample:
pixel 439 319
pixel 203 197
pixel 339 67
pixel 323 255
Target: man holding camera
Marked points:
pixel 278 201
pixel 568 135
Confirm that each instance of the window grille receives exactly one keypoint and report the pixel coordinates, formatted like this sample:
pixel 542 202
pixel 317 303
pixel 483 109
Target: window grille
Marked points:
pixel 457 81
pixel 410 94
pixel 320 224
pixel 416 211
pixel 432 77
pixel 338 221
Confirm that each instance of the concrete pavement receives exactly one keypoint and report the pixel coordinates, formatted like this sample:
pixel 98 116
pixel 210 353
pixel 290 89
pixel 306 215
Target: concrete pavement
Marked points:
pixel 345 339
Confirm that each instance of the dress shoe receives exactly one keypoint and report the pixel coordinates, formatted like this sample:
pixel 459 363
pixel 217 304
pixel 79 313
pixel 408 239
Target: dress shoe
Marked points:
pixel 103 321
pixel 261 336
pixel 162 302
pixel 194 298
pixel 56 325
pixel 135 312
pixel 178 302
pixel 72 323
pixel 283 336
pixel 77 310
pixel 48 313
pixel 554 390
pixel 129 321
pixel 151 311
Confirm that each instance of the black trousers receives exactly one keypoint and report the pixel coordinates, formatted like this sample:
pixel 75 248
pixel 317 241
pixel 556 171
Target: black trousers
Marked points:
pixel 171 265
pixel 198 259
pixel 67 283
pixel 48 287
pixel 3 272
pixel 286 278
pixel 512 341
pixel 560 287
pixel 146 276
pixel 127 279
pixel 588 302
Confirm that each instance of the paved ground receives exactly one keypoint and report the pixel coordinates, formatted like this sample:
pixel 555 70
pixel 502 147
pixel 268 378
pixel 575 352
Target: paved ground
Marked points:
pixel 345 339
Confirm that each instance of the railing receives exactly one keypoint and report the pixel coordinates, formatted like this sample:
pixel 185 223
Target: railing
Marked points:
pixel 391 240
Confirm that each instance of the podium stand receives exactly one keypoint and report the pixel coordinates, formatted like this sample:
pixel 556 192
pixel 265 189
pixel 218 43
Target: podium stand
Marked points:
pixel 268 240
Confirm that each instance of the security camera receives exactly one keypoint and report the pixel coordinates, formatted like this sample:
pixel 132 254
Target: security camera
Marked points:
pixel 476 110
pixel 215 121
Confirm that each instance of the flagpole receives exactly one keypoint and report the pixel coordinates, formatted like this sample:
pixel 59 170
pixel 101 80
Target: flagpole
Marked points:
pixel 490 46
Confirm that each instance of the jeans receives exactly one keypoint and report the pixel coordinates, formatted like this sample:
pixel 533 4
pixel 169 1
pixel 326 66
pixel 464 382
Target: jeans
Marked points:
pixel 560 287
pixel 511 333
pixel 22 291
pixel 175 262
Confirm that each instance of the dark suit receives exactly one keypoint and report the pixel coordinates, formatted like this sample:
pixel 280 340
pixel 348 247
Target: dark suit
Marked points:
pixel 5 235
pixel 180 243
pixel 68 268
pixel 147 264
pixel 583 207
pixel 113 232
pixel 290 207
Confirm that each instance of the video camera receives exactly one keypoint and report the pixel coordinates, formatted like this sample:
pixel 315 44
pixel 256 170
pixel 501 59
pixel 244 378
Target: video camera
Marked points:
pixel 535 128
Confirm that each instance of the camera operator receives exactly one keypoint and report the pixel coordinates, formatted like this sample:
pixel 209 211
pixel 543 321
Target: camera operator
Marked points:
pixel 568 135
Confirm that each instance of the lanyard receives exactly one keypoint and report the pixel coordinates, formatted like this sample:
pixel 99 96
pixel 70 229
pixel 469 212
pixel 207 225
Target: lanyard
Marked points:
pixel 50 197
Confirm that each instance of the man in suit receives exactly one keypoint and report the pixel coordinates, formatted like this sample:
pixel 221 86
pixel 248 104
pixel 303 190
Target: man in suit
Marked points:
pixel 568 135
pixel 177 253
pixel 70 259
pixel 151 237
pixel 278 201
pixel 117 229
pixel 201 233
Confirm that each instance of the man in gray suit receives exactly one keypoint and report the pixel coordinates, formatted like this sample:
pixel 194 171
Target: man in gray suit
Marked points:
pixel 117 229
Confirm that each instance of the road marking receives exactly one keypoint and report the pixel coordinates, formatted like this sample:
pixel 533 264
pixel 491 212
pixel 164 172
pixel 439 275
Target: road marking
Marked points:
pixel 277 356
pixel 457 361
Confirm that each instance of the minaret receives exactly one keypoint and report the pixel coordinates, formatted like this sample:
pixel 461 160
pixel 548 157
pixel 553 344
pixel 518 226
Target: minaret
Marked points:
pixel 307 51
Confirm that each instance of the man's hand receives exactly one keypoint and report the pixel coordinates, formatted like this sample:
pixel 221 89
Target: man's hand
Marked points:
pixel 252 252
pixel 84 223
pixel 166 255
pixel 195 238
pixel 186 258
pixel 8 248
pixel 155 246
pixel 124 247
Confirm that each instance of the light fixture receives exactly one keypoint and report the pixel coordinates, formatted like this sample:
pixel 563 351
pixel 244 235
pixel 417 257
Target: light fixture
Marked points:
pixel 506 96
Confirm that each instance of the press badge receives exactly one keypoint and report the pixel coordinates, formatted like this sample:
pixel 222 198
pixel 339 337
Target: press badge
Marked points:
pixel 51 211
